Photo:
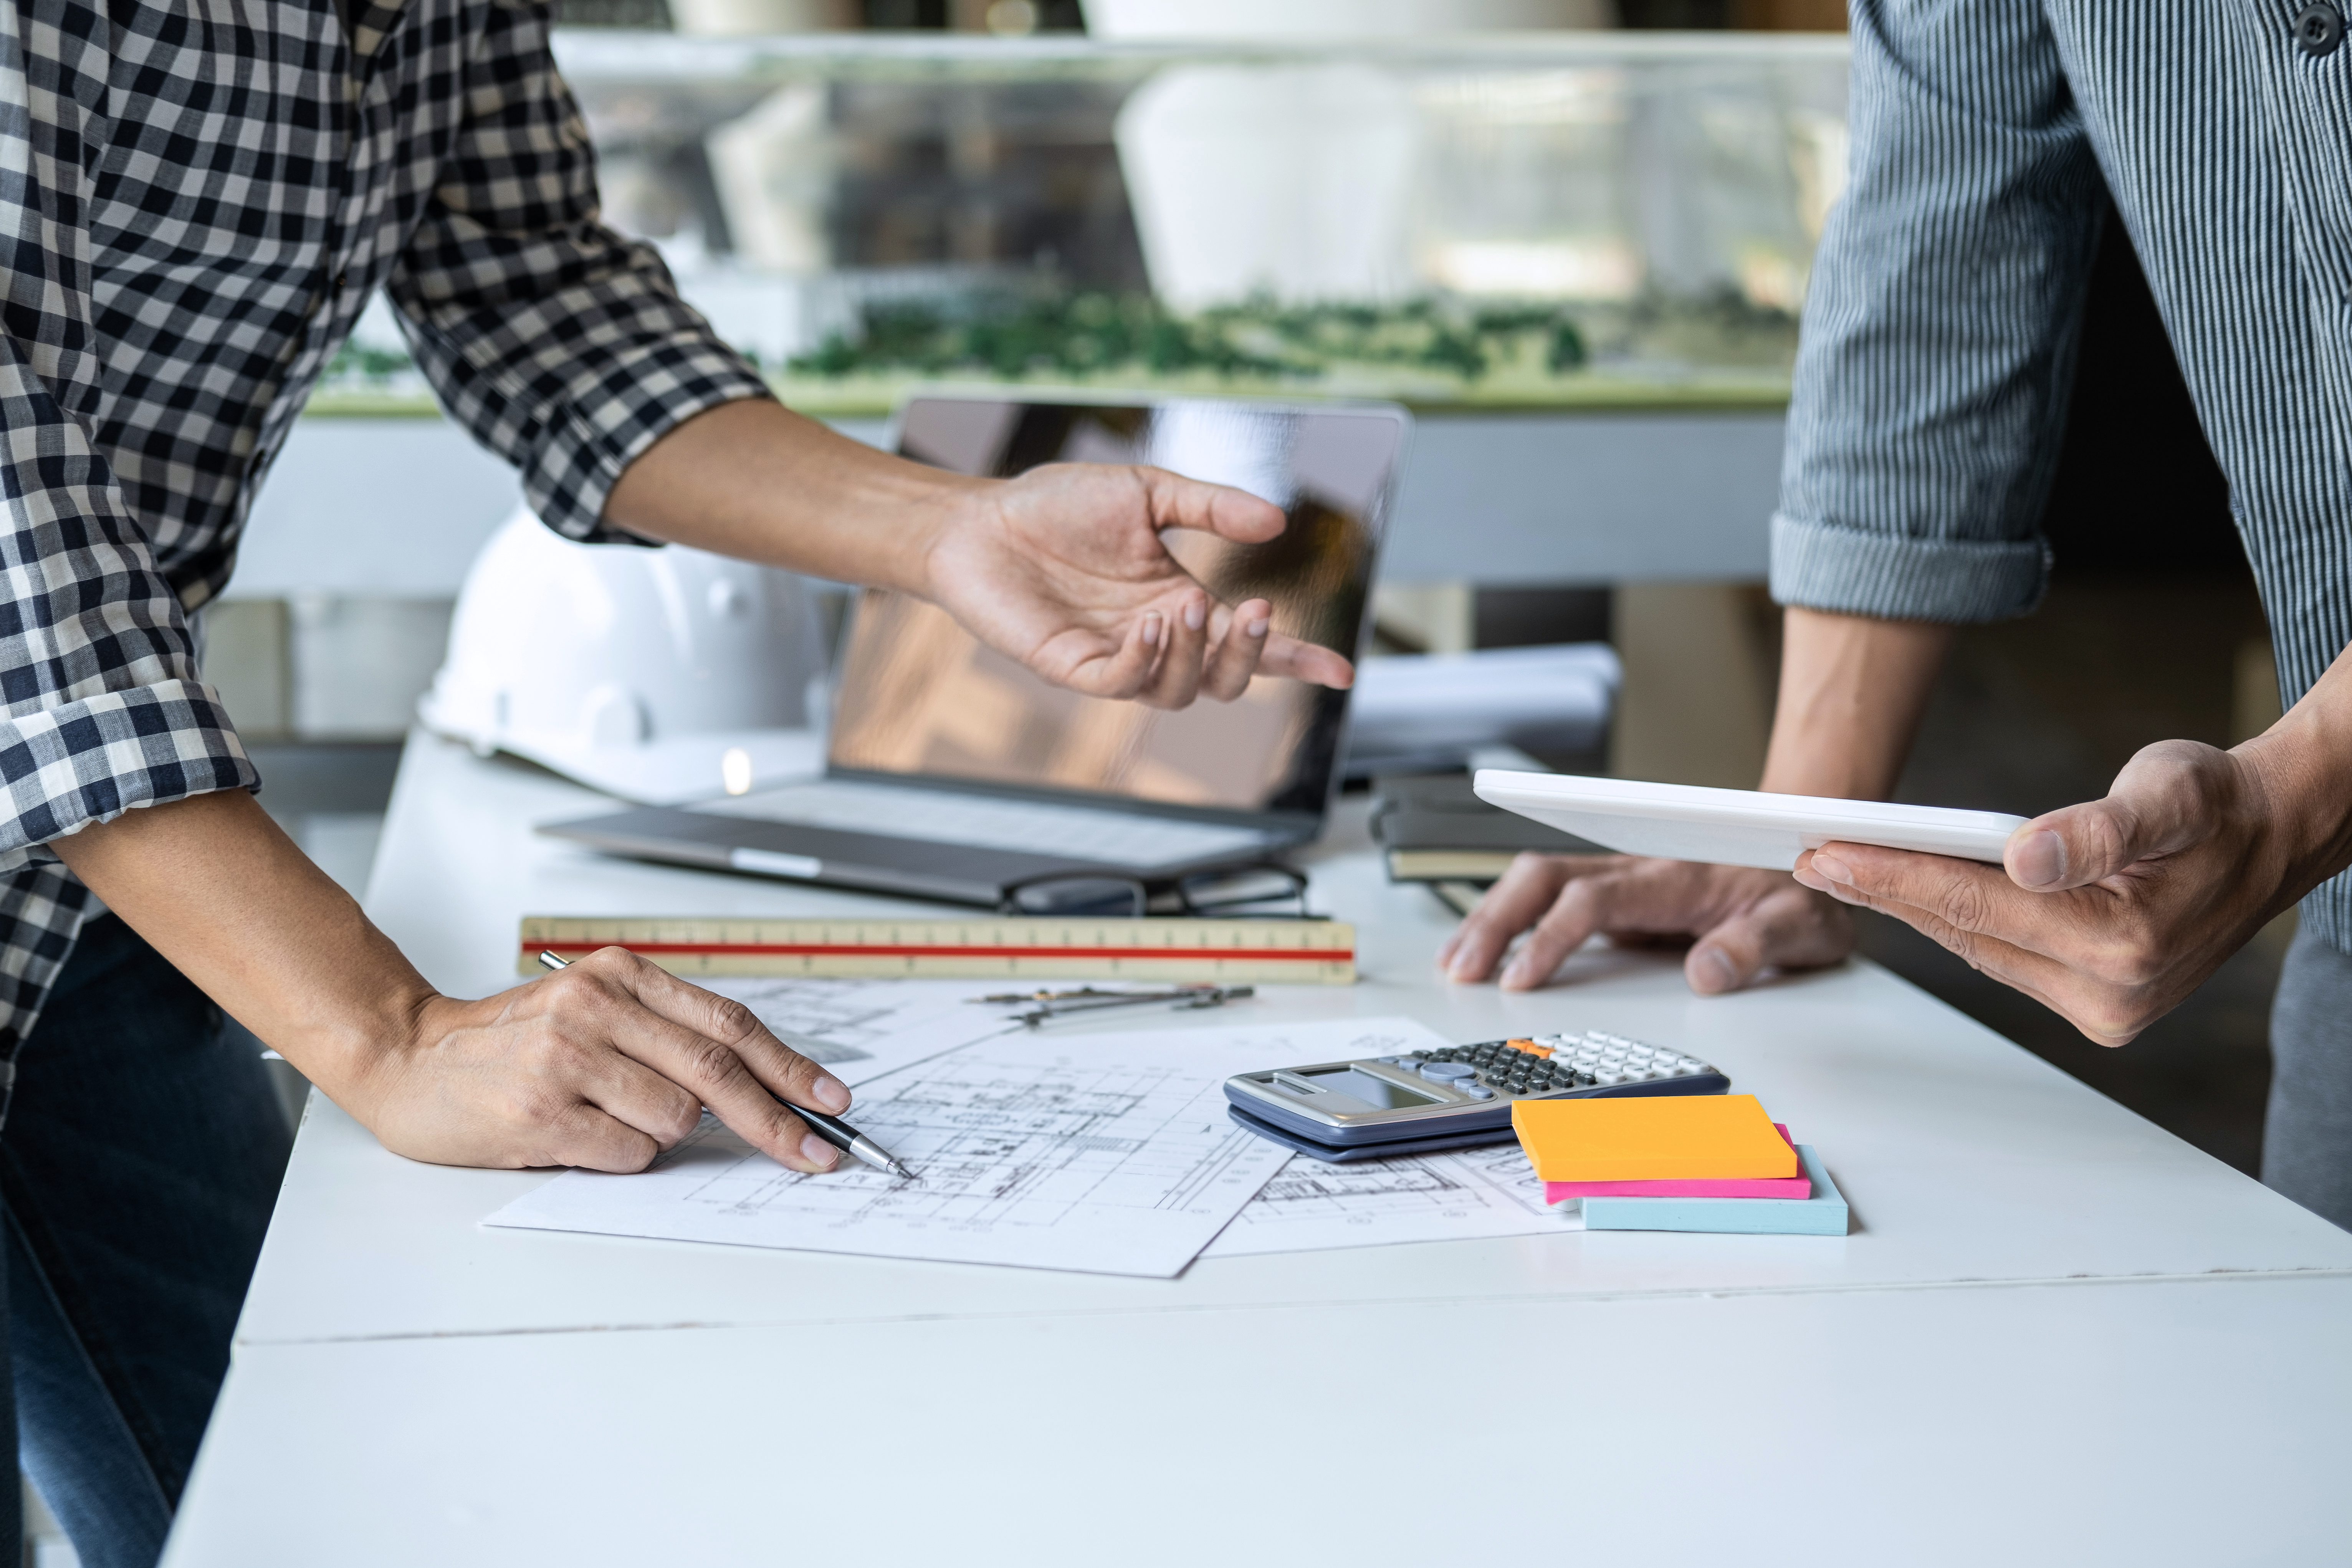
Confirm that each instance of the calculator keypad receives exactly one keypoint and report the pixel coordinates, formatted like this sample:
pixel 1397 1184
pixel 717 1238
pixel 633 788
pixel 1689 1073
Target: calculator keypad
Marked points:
pixel 1539 1065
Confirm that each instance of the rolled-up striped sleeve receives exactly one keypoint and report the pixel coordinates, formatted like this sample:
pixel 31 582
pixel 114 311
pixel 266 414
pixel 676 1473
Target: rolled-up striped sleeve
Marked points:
pixel 1940 333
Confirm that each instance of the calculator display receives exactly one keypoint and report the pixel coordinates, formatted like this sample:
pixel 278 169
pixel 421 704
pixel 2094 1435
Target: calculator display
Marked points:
pixel 1373 1092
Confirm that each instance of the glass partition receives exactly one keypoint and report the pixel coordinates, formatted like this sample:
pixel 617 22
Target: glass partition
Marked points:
pixel 1532 221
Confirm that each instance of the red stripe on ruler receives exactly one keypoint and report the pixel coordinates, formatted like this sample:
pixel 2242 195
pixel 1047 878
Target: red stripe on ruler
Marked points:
pixel 824 950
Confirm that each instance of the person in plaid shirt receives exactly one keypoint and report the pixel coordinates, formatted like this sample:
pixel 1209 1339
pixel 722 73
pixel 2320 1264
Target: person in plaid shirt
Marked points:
pixel 196 198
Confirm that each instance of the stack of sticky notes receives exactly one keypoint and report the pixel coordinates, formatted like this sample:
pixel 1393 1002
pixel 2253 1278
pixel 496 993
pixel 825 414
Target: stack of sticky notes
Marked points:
pixel 1699 1162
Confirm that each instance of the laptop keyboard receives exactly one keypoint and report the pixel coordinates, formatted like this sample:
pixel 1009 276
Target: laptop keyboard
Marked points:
pixel 940 817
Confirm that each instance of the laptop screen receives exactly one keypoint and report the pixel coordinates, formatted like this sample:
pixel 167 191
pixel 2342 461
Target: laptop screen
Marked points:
pixel 919 697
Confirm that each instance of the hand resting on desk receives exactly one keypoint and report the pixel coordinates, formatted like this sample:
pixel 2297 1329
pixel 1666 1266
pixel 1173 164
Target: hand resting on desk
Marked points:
pixel 603 1066
pixel 1741 921
pixel 1850 690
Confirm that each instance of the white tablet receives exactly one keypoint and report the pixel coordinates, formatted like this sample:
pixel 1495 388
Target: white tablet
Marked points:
pixel 1737 827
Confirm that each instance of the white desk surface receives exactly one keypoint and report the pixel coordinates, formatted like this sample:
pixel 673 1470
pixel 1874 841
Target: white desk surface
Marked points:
pixel 2101 1426
pixel 2094 1283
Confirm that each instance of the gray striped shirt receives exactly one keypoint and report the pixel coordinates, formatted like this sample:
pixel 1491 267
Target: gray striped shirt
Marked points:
pixel 1939 334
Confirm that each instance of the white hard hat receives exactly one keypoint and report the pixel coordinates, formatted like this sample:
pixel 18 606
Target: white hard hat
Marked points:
pixel 654 675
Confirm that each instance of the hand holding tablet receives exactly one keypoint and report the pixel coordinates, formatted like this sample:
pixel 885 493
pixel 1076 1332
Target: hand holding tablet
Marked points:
pixel 2109 912
pixel 1737 827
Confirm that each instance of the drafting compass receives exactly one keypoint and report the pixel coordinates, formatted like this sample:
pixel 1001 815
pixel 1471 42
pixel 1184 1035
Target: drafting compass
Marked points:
pixel 1046 1006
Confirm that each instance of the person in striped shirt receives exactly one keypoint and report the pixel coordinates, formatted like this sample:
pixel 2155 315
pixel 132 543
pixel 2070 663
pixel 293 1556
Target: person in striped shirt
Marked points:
pixel 1931 385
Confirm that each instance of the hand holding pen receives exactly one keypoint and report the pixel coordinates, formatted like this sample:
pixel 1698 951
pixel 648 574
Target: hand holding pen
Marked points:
pixel 831 1128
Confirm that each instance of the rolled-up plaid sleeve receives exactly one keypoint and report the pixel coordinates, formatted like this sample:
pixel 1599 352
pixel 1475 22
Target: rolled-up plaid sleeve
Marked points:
pixel 561 346
pixel 101 707
pixel 1938 337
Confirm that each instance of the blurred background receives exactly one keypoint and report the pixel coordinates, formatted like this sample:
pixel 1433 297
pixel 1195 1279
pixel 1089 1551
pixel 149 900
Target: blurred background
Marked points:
pixel 1572 236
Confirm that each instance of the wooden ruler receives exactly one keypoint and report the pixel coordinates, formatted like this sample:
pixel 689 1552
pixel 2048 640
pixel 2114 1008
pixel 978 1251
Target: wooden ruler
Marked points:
pixel 1307 953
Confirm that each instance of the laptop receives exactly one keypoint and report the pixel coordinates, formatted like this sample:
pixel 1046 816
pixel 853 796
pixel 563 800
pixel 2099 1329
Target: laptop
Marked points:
pixel 953 773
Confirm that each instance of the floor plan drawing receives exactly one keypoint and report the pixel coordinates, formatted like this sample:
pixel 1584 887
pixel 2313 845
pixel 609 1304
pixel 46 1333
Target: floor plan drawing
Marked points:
pixel 1107 1154
pixel 863 1028
pixel 996 1141
pixel 1310 1207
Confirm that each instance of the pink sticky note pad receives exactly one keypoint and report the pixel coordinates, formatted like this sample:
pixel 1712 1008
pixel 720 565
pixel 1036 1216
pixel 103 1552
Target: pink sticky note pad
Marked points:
pixel 1796 1187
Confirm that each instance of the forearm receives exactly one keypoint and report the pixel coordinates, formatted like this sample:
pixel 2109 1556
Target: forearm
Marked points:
pixel 755 480
pixel 230 902
pixel 2302 768
pixel 1852 692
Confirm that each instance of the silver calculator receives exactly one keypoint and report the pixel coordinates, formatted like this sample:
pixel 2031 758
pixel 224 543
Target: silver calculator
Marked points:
pixel 1456 1097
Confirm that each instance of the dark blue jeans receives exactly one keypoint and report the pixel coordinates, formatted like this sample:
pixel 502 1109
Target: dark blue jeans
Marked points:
pixel 141 1158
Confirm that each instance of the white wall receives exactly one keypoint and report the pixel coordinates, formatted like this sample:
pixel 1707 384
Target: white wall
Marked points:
pixel 396 508
pixel 393 508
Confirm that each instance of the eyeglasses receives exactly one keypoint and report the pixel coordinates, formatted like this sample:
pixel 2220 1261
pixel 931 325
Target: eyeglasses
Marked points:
pixel 1245 892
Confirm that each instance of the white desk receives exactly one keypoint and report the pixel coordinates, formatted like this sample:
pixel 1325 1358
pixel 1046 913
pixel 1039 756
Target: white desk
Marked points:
pixel 2053 1322
pixel 2144 1424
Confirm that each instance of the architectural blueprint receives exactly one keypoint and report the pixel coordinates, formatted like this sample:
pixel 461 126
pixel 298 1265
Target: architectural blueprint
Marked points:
pixel 1106 1154
pixel 863 1028
pixel 1309 1206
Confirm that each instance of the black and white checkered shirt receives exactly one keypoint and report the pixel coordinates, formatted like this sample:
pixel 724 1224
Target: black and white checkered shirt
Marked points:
pixel 1940 333
pixel 196 198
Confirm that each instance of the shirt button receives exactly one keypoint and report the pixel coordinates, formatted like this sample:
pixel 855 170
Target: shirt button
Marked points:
pixel 2319 29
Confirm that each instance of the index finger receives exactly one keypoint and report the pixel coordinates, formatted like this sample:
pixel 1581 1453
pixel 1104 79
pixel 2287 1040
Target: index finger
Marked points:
pixel 749 1079
pixel 1308 661
pixel 782 1070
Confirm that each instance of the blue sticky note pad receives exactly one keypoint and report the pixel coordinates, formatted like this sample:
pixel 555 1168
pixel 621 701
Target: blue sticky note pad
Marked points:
pixel 1824 1214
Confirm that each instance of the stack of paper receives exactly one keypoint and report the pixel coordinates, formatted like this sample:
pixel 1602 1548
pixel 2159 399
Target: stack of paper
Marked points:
pixel 1704 1162
pixel 1427 713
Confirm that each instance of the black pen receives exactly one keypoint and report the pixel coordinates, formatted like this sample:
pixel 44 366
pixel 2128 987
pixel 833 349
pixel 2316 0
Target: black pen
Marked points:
pixel 831 1128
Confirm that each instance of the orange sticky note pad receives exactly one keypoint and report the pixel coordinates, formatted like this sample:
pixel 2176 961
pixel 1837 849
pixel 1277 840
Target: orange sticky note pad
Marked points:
pixel 1650 1139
